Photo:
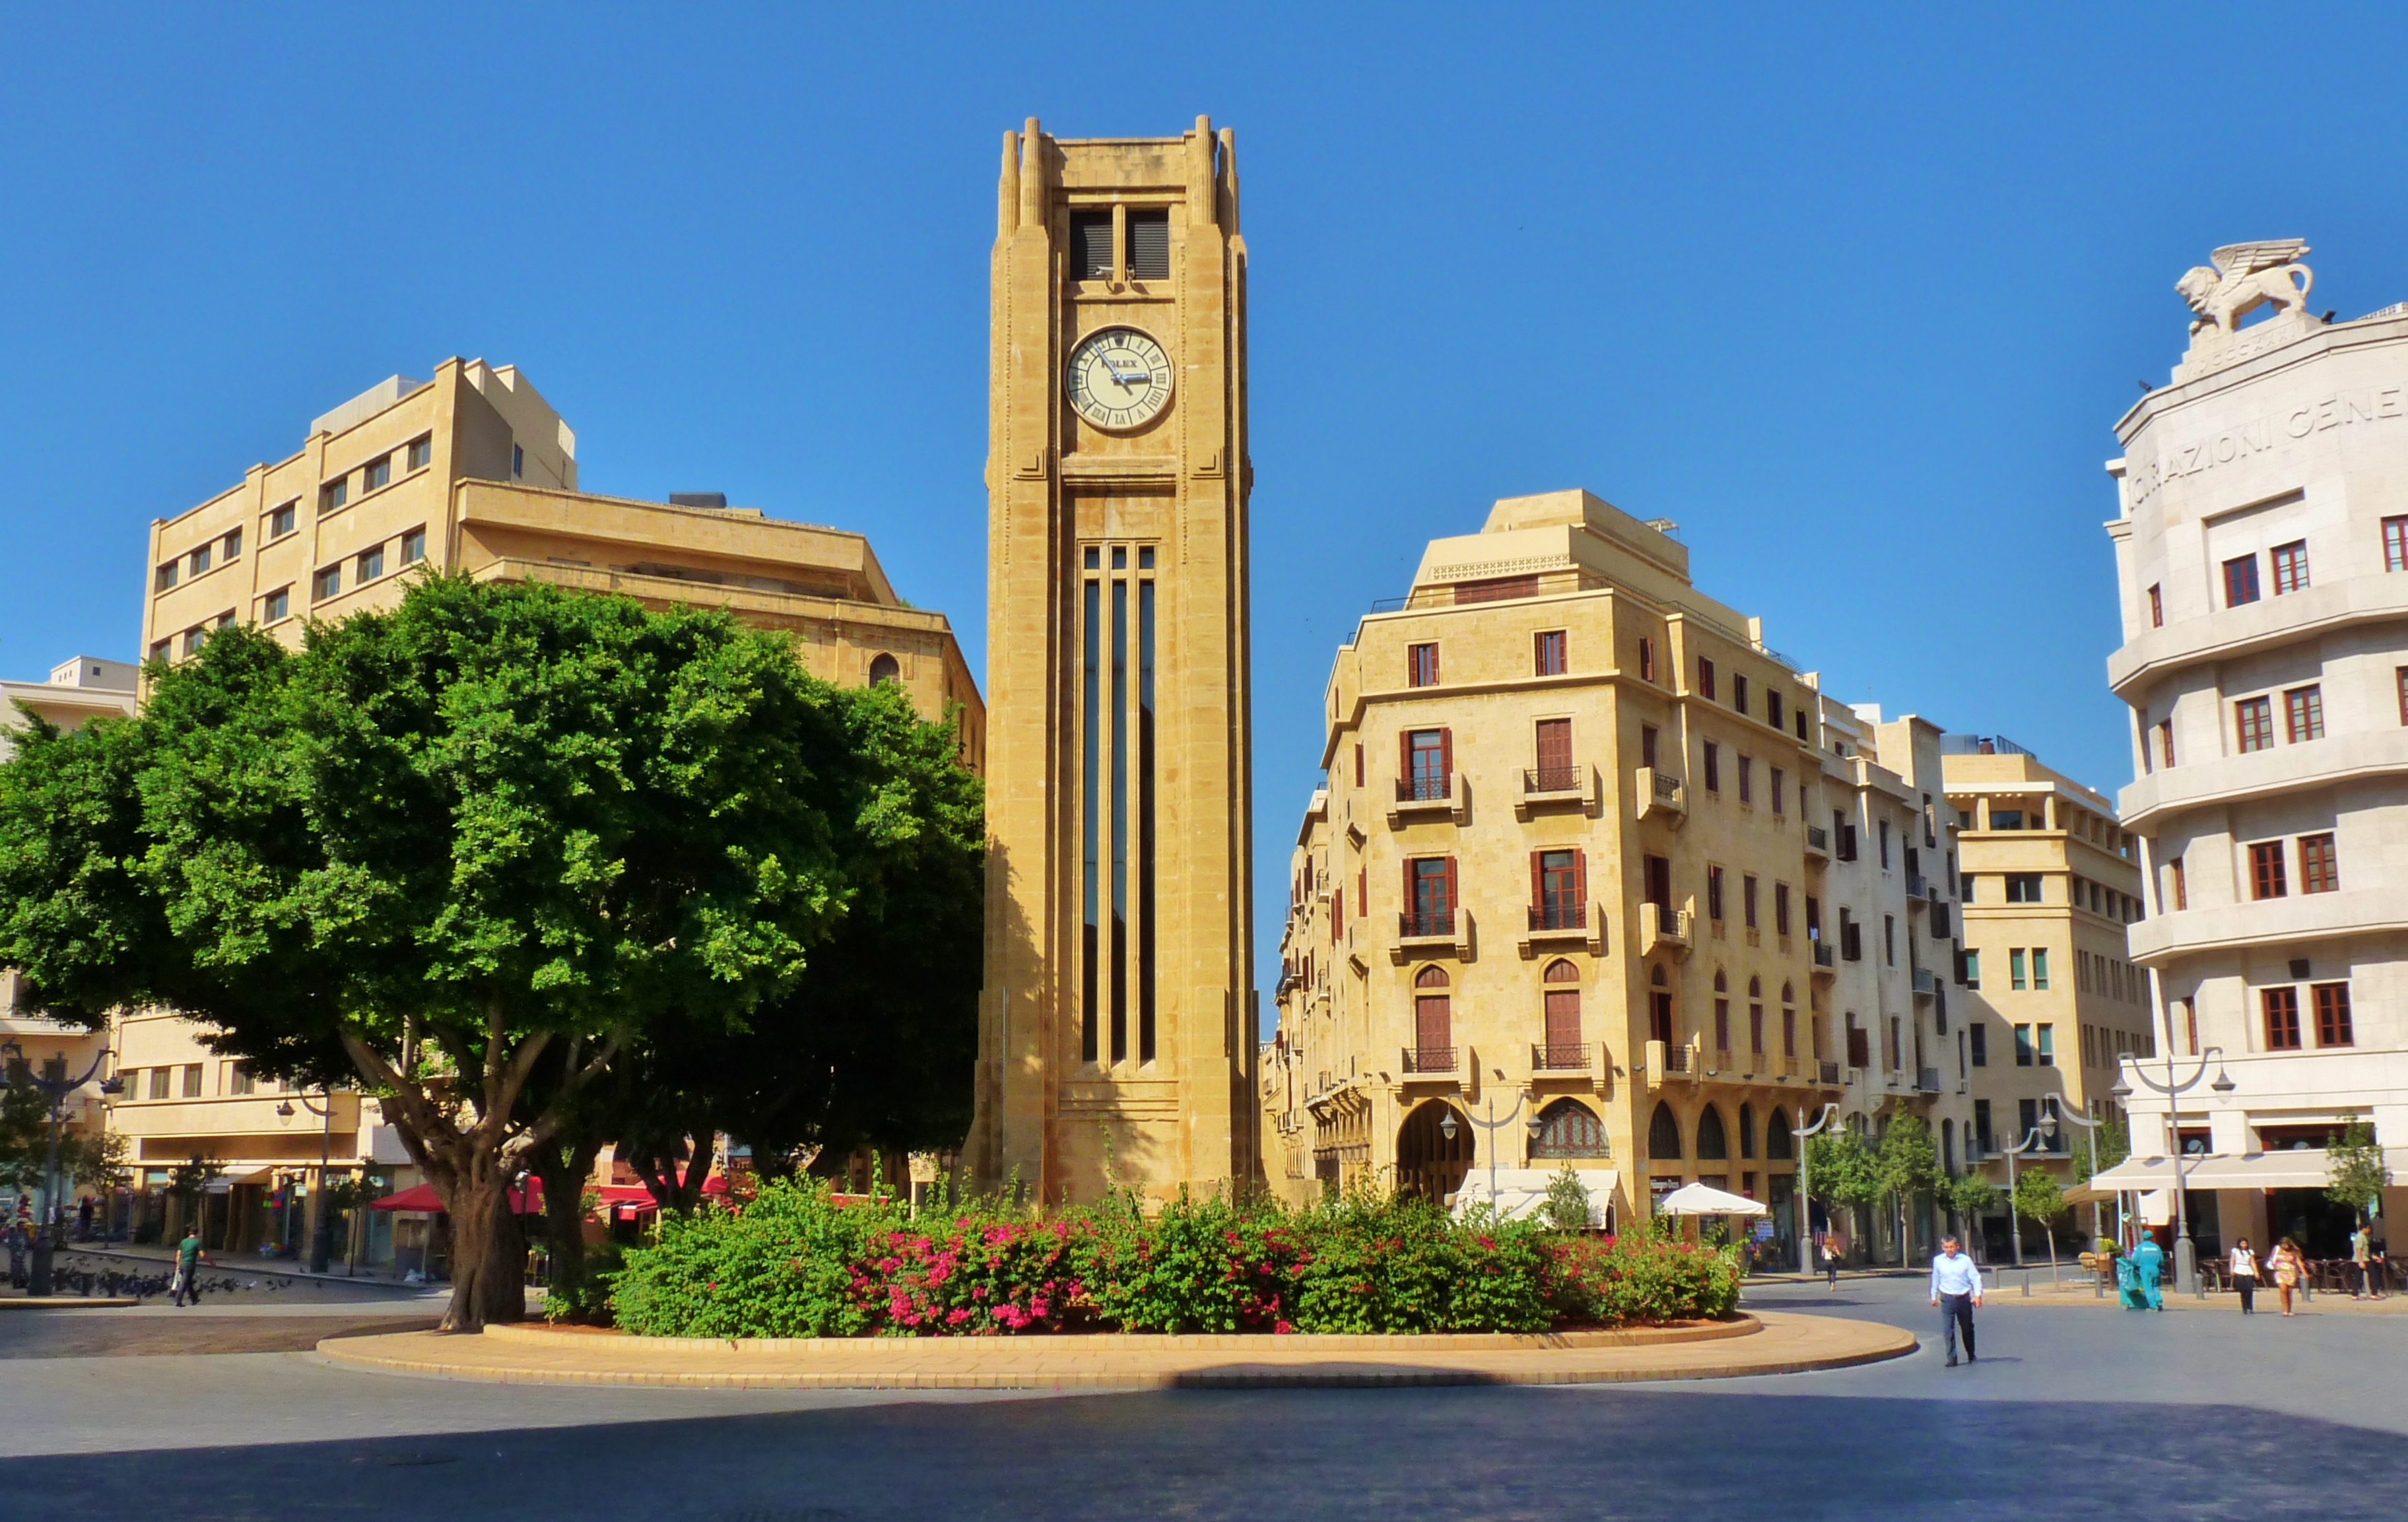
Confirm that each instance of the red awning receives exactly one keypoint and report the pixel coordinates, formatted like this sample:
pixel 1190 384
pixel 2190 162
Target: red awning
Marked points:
pixel 625 1199
pixel 526 1198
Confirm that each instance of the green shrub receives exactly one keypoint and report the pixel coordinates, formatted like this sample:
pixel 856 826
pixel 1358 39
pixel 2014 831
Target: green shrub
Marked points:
pixel 792 1262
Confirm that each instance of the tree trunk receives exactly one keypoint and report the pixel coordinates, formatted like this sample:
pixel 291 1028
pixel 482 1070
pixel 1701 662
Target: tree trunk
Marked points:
pixel 564 1172
pixel 488 1256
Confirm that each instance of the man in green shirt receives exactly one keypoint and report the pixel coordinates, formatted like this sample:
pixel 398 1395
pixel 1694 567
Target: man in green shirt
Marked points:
pixel 188 1257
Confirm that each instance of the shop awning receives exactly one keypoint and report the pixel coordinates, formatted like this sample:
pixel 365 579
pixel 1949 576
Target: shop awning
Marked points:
pixel 1522 1192
pixel 526 1198
pixel 2298 1168
pixel 1705 1199
pixel 226 1184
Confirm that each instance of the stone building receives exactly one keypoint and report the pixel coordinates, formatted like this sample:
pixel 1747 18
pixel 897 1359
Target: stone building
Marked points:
pixel 2050 882
pixel 1116 1029
pixel 1572 865
pixel 2262 553
pixel 472 472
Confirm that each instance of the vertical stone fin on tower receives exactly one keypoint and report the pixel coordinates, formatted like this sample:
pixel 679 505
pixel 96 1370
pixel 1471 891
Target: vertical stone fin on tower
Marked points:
pixel 1201 210
pixel 1007 210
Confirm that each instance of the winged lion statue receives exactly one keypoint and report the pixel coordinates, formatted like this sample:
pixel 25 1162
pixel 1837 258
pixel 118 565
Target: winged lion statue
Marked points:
pixel 2246 276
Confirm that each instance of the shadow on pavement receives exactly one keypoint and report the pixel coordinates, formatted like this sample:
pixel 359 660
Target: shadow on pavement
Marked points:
pixel 49 1334
pixel 1322 1454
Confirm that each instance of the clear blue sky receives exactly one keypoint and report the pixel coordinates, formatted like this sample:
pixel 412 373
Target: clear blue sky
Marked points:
pixel 1854 300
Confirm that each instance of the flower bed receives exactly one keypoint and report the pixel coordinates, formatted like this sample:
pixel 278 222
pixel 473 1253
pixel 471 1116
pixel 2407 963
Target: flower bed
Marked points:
pixel 793 1262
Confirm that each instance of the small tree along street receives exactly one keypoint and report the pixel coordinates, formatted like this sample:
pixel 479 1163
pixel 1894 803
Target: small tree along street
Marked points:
pixel 494 836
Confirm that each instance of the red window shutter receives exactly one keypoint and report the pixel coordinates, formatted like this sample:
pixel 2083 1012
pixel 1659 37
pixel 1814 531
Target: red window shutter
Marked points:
pixel 1538 879
pixel 1580 881
pixel 1362 891
pixel 1450 886
pixel 1404 753
pixel 1446 752
pixel 1410 906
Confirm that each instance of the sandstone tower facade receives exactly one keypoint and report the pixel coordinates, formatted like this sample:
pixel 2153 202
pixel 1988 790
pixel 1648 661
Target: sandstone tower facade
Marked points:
pixel 1116 1029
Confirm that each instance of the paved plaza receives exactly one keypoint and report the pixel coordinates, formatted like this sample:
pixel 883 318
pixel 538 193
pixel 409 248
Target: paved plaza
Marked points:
pixel 2073 1407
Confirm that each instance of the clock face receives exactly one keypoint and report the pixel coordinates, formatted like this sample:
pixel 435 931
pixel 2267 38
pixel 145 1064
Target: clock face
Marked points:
pixel 1119 378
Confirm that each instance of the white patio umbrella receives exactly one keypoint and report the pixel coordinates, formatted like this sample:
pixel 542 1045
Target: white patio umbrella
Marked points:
pixel 1705 1199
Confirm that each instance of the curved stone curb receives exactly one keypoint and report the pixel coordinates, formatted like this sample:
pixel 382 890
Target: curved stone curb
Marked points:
pixel 54 1302
pixel 1742 1324
pixel 1766 1343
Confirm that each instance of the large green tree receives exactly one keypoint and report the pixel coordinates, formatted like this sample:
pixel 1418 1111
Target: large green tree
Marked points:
pixel 442 845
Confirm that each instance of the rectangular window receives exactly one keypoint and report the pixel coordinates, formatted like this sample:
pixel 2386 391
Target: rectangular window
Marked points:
pixel 161 1081
pixel 1981 1125
pixel 518 461
pixel 1705 676
pixel 2166 742
pixel 2015 968
pixel 1549 653
pixel 2319 863
pixel 1421 665
pixel 2332 1014
pixel 2282 1010
pixel 2240 581
pixel 1647 746
pixel 1426 763
pixel 2395 544
pixel 1646 660
pixel 1713 754
pixel 1091 245
pixel 1747 900
pixel 1883 833
pixel 371 566
pixel 239 1079
pixel 1149 244
pixel 421 451
pixel 1781 909
pixel 2039 968
pixel 2180 886
pixel 2045 1044
pixel 1746 780
pixel 162 649
pixel 280 521
pixel 1889 940
pixel 333 494
pixel 2266 879
pixel 1773 708
pixel 2401 675
pixel 168 572
pixel 1981 1045
pixel 2290 566
pixel 200 560
pixel 1358 765
pixel 1739 692
pixel 192 1080
pixel 1973 971
pixel 2023 1046
pixel 376 473
pixel 1559 890
pixel 275 604
pixel 1432 884
pixel 2252 723
pixel 2023 887
pixel 2157 608
pixel 1714 892
pixel 2303 713
pixel 231 547
pixel 193 638
pixel 1774 785
pixel 413 547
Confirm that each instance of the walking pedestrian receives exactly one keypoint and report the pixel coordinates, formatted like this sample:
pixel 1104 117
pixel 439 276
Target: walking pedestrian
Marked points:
pixel 1957 1290
pixel 2290 1268
pixel 189 1257
pixel 18 1240
pixel 2148 1275
pixel 2245 1276
pixel 83 1219
pixel 2361 1257
pixel 1835 1247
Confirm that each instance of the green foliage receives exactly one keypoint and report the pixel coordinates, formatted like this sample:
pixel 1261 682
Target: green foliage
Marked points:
pixel 2114 1141
pixel 1972 1195
pixel 794 1262
pixel 582 1297
pixel 189 1178
pixel 2357 1174
pixel 2039 1196
pixel 1907 1162
pixel 99 1162
pixel 1842 1170
pixel 1565 1208
pixel 501 823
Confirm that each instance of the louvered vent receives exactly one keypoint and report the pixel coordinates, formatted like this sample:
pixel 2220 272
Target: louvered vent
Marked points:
pixel 1091 245
pixel 1149 236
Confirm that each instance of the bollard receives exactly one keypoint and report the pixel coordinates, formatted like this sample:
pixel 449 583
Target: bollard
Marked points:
pixel 2028 1284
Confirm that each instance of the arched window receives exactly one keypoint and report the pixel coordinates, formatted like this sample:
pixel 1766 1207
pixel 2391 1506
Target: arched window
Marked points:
pixel 1722 985
pixel 1948 1147
pixel 1788 1024
pixel 1563 1027
pixel 1430 1162
pixel 1664 1134
pixel 884 669
pixel 1755 987
pixel 1433 1023
pixel 1786 996
pixel 1747 1131
pixel 1569 1129
pixel 1712 1145
pixel 1778 1142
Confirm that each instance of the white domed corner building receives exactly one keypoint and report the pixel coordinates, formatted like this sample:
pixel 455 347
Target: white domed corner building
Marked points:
pixel 2261 552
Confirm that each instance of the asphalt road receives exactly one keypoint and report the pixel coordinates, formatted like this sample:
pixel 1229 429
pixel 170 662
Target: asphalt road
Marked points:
pixel 2071 1409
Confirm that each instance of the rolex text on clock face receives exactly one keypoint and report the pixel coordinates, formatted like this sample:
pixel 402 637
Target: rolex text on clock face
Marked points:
pixel 1119 378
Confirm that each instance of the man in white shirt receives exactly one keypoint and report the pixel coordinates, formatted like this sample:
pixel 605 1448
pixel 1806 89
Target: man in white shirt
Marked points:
pixel 1957 1290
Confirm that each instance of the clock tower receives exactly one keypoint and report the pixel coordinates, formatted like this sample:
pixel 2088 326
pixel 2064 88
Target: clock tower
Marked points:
pixel 1116 1031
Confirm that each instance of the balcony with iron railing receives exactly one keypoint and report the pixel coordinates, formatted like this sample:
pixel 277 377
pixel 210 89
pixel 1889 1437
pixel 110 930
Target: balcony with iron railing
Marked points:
pixel 1428 1061
pixel 1661 795
pixel 1422 795
pixel 1818 842
pixel 1553 780
pixel 1563 788
pixel 1558 916
pixel 1661 925
pixel 1917 889
pixel 1927 985
pixel 1560 1057
pixel 1425 925
pixel 1827 1074
pixel 1827 958
pixel 1927 1079
pixel 1671 1060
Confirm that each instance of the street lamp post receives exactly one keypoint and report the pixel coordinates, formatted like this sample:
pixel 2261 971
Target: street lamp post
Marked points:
pixel 321 1240
pixel 1805 1185
pixel 2031 1142
pixel 1492 1124
pixel 2186 1252
pixel 2089 1123
pixel 53 1082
